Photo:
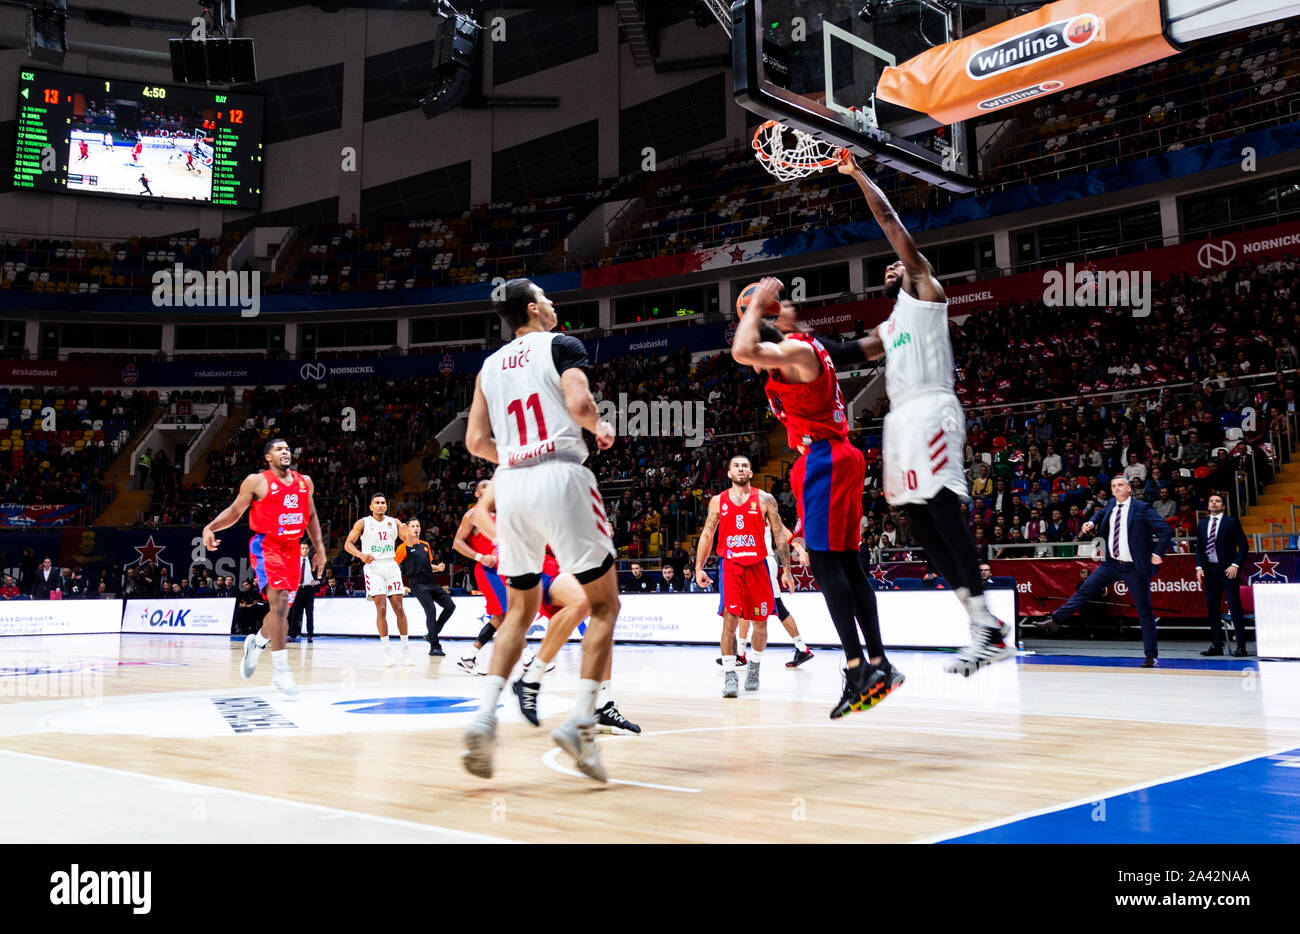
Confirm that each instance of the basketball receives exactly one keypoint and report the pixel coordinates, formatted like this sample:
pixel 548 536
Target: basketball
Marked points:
pixel 742 302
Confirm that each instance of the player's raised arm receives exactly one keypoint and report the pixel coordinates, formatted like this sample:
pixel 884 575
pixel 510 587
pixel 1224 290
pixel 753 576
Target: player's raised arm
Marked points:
pixel 350 546
pixel 919 271
pixel 749 348
pixel 234 512
pixel 313 529
pixel 478 426
pixel 706 543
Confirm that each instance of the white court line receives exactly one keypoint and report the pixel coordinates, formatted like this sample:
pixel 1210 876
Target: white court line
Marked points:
pixel 326 812
pixel 1100 796
pixel 548 758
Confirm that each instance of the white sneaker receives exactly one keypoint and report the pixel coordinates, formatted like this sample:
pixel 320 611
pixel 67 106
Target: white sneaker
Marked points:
pixel 577 739
pixel 388 658
pixel 480 741
pixel 407 661
pixel 283 682
pixel 468 663
pixel 252 652
pixel 528 663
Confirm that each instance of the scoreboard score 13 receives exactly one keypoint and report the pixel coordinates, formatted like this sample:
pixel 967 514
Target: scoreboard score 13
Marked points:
pixel 130 139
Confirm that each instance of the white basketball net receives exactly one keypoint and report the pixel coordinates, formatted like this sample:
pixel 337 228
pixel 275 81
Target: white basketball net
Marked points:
pixel 806 156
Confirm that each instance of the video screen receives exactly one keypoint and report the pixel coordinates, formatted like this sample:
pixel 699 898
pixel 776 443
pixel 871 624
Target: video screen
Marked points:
pixel 133 140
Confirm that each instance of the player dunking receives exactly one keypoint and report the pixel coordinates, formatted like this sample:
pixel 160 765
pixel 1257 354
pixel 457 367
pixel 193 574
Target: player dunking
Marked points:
pixel 564 605
pixel 473 544
pixel 827 480
pixel 380 536
pixel 925 430
pixel 531 403
pixel 282 508
pixel 739 517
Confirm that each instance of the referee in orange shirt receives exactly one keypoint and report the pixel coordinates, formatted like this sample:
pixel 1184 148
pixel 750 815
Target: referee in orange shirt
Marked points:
pixel 416 561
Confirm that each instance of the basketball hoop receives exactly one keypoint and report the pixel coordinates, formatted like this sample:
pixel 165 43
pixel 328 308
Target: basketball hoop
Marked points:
pixel 806 156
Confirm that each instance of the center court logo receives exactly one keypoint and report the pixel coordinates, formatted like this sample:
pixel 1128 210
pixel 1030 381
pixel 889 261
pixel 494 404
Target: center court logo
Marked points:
pixel 1034 46
pixel 189 288
pixel 79 886
pixel 410 705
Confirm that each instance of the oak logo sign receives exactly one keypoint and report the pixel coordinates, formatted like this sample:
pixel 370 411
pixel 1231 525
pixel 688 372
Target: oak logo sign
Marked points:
pixel 80 886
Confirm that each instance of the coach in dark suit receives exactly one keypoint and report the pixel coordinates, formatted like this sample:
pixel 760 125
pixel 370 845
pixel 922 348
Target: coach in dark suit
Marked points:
pixel 1221 551
pixel 1135 541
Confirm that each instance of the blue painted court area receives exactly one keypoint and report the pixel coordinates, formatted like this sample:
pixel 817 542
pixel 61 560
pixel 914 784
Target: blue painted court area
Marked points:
pixel 1257 801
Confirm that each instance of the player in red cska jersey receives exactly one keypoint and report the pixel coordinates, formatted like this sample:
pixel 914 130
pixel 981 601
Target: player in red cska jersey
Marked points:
pixel 281 510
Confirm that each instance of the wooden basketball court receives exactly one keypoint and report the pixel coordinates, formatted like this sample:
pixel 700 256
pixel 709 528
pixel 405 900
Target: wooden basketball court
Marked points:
pixel 159 739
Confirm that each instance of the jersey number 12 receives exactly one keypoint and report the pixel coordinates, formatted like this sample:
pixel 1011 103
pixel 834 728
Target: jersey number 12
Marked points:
pixel 516 408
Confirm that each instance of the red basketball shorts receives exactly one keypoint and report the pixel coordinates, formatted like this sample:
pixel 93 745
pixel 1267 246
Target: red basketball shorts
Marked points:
pixel 747 590
pixel 277 562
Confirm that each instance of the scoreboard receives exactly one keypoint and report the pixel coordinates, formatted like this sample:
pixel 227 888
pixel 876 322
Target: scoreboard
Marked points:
pixel 131 139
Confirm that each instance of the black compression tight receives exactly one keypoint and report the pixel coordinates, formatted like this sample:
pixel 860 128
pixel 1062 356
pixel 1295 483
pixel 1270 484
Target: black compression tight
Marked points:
pixel 849 599
pixel 937 527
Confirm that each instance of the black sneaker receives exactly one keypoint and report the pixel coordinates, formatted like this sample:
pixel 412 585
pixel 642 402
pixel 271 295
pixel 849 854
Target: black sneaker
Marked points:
pixel 799 659
pixel 609 720
pixel 1213 650
pixel 436 649
pixel 741 661
pixel 892 681
pixel 527 693
pixel 860 684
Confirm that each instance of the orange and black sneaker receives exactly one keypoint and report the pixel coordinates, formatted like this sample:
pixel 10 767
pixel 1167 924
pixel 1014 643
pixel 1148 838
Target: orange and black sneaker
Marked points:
pixel 892 680
pixel 860 684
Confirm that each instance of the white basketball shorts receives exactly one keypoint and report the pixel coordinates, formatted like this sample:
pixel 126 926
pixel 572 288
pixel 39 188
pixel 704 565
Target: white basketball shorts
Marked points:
pixel 923 447
pixel 557 504
pixel 383 578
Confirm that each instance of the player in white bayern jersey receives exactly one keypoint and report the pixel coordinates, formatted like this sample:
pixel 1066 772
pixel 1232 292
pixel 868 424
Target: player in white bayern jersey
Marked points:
pixel 379 537
pixel 925 430
pixel 531 403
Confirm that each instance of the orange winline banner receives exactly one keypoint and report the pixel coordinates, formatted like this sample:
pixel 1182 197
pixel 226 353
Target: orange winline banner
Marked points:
pixel 1057 47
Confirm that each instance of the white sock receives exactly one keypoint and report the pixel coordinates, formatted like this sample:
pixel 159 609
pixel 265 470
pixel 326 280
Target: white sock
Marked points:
pixel 585 707
pixel 261 641
pixel 755 657
pixel 405 636
pixel 280 660
pixel 976 608
pixel 492 688
pixel 383 641
pixel 603 695
pixel 535 671
pixel 728 663
pixel 740 645
pixel 799 644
